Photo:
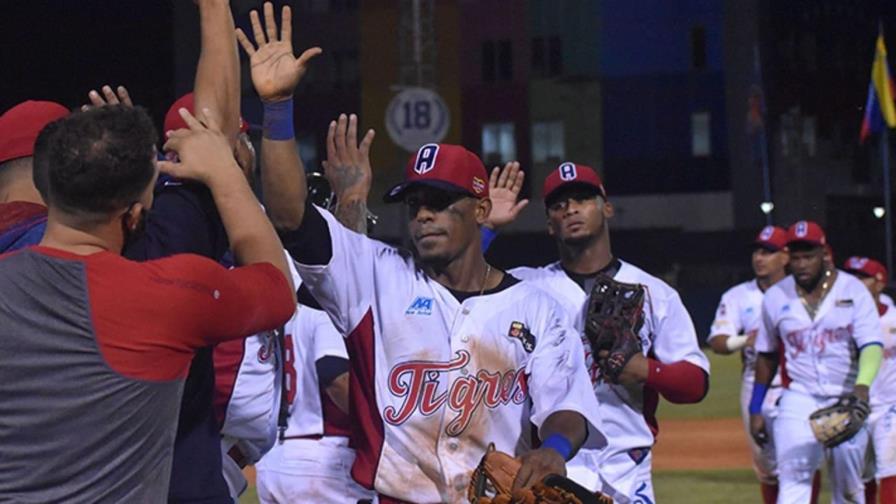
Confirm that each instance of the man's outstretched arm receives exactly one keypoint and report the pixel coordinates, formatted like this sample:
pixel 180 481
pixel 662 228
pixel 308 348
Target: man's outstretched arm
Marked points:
pixel 275 74
pixel 217 84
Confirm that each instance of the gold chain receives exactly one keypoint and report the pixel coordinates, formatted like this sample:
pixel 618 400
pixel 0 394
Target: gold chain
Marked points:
pixel 825 286
pixel 488 270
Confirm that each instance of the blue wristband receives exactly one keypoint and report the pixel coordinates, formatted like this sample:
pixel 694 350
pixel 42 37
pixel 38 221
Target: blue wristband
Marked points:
pixel 759 391
pixel 278 123
pixel 488 235
pixel 560 444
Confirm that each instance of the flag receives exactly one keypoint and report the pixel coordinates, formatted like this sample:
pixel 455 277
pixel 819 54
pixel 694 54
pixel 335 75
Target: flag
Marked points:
pixel 879 107
pixel 756 99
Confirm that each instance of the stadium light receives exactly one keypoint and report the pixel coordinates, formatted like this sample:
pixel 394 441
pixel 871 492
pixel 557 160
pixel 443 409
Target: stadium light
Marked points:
pixel 766 207
pixel 879 212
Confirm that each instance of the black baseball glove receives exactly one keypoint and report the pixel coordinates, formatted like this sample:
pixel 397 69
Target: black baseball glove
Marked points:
pixel 841 421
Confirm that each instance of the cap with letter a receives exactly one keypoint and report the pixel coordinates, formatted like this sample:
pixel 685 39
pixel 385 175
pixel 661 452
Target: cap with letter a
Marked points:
pixel 568 174
pixel 865 266
pixel 807 232
pixel 443 166
pixel 771 238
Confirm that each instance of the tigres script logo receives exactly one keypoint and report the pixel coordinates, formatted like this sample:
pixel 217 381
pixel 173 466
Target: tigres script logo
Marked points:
pixel 815 341
pixel 418 383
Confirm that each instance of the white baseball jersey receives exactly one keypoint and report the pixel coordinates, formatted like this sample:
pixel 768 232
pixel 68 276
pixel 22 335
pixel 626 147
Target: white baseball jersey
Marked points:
pixel 667 334
pixel 310 336
pixel 247 396
pixel 435 380
pixel 740 313
pixel 820 356
pixel 883 388
pixel 886 300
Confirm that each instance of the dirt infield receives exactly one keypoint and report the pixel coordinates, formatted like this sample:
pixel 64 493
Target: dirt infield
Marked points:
pixel 689 445
pixel 701 444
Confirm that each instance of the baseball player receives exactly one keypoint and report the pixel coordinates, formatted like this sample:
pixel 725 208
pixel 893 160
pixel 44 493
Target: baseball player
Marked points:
pixel 734 329
pixel 23 215
pixel 448 354
pixel 311 459
pixel 882 422
pixel 825 327
pixel 672 364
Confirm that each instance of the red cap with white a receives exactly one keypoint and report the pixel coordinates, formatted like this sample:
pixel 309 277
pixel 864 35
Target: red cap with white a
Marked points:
pixel 571 173
pixel 865 266
pixel 443 166
pixel 20 125
pixel 806 232
pixel 773 238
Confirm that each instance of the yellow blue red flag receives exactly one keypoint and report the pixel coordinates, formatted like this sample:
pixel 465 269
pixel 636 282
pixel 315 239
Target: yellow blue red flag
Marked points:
pixel 879 107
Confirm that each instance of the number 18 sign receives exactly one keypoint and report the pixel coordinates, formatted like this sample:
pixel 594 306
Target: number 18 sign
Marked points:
pixel 417 116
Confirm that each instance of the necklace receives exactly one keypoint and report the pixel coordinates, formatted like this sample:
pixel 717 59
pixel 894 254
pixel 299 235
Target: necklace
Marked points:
pixel 488 270
pixel 812 308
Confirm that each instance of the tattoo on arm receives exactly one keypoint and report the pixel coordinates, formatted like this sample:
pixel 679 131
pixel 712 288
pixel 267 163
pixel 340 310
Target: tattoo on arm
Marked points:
pixel 352 214
pixel 344 177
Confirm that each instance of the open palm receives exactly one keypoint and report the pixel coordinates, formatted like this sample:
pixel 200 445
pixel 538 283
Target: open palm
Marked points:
pixel 275 70
pixel 504 188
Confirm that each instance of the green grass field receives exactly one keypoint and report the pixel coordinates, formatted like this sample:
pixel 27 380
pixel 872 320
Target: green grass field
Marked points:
pixel 736 486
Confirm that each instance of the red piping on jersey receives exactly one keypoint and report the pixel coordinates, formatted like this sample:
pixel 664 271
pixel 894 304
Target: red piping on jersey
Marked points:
pixel 367 435
pixel 227 358
pixel 782 362
pixel 650 402
pixel 679 382
pixel 336 421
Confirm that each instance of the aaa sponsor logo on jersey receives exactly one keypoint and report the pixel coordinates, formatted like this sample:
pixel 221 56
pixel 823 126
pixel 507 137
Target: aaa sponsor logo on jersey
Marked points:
pixel 420 306
pixel 815 341
pixel 519 331
pixel 418 383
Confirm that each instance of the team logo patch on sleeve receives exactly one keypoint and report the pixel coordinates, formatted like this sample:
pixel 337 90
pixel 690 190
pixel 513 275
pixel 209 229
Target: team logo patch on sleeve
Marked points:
pixel 519 331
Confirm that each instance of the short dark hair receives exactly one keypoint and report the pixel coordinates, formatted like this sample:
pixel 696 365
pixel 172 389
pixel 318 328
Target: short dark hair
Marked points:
pixel 96 161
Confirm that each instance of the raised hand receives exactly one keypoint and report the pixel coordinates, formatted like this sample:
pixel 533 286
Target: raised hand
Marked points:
pixel 504 187
pixel 203 150
pixel 108 97
pixel 275 70
pixel 347 166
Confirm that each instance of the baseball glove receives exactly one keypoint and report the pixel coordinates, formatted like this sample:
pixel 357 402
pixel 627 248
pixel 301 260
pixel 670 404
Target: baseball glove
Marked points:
pixel 614 317
pixel 492 483
pixel 839 422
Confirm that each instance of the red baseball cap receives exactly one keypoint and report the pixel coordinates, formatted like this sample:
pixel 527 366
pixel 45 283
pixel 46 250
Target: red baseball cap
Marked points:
pixel 173 120
pixel 806 232
pixel 867 267
pixel 20 125
pixel 444 166
pixel 773 238
pixel 571 173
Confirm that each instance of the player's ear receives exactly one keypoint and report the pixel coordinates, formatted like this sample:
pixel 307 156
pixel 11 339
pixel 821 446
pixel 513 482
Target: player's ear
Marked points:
pixel 551 231
pixel 483 208
pixel 608 209
pixel 131 216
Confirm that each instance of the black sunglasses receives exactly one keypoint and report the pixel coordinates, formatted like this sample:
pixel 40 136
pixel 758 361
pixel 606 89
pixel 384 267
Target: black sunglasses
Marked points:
pixel 433 199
